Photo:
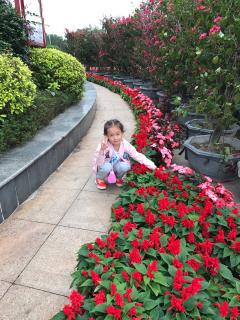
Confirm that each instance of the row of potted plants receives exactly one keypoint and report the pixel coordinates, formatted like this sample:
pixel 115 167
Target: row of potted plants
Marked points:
pixel 189 49
pixel 173 247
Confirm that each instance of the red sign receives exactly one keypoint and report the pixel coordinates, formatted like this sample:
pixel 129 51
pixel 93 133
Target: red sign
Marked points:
pixel 31 10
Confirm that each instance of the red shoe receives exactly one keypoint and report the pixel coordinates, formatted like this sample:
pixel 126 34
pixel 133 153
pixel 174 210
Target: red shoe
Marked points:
pixel 119 182
pixel 101 184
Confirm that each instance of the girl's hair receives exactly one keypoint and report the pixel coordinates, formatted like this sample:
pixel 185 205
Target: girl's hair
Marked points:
pixel 112 123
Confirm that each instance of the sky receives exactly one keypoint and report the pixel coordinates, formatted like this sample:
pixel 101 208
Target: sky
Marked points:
pixel 78 14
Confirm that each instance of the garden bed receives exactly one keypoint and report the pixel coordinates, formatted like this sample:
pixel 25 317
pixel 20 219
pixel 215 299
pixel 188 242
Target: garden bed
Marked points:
pixel 172 251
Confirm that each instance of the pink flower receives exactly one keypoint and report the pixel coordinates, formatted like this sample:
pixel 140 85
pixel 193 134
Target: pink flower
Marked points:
pixel 202 36
pixel 214 29
pixel 201 8
pixel 217 19
pixel 173 38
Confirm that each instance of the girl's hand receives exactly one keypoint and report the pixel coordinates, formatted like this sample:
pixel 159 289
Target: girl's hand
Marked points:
pixel 104 144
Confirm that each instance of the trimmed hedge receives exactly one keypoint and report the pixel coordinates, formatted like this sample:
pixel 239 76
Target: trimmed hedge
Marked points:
pixel 17 90
pixel 17 129
pixel 57 71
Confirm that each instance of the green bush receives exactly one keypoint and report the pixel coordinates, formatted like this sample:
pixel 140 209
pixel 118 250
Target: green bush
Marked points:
pixel 56 70
pixel 17 90
pixel 19 128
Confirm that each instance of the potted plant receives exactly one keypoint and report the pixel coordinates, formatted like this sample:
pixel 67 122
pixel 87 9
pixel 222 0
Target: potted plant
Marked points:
pixel 217 90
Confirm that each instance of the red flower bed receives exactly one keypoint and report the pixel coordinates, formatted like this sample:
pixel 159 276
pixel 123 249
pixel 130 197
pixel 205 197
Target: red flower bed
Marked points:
pixel 173 248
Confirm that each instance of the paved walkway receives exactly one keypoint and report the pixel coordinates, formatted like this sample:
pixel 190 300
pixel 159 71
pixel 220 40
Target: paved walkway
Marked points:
pixel 38 243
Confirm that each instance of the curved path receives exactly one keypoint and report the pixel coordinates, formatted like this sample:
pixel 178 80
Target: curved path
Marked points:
pixel 38 243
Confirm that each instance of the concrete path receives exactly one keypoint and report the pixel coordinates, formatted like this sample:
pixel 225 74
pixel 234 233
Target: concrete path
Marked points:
pixel 38 243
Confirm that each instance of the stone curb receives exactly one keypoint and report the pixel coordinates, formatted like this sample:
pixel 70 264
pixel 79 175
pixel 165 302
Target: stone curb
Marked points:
pixel 25 168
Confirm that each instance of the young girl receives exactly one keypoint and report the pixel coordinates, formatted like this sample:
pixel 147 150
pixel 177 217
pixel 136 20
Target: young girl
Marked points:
pixel 113 153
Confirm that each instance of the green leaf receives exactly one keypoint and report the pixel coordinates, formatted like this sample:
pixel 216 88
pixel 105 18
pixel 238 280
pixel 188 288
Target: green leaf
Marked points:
pixel 128 306
pixel 180 316
pixel 160 278
pixel 140 268
pixel 155 287
pixel 87 283
pixel 146 280
pixel 135 293
pixel 105 284
pixel 238 287
pixel 225 272
pixel 167 258
pixel 83 252
pixel 164 240
pixel 150 304
pixel 156 313
pixel 59 316
pixel 226 252
pixel 100 308
pixel 172 270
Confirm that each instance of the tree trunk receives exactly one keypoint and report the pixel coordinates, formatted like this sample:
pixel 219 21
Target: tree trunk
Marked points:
pixel 215 137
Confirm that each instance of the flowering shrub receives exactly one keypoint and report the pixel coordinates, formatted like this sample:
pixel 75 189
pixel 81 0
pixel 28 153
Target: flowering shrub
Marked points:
pixel 85 45
pixel 172 251
pixel 119 39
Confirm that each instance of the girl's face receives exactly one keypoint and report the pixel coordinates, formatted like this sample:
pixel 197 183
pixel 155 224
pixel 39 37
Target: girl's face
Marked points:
pixel 115 136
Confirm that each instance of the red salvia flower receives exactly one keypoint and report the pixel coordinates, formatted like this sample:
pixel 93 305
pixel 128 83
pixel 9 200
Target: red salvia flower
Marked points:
pixel 68 311
pixel 116 313
pixel 95 278
pixel 223 308
pixel 118 299
pixel 100 297
pixel 127 294
pixel 177 264
pixel 77 301
pixel 113 288
pixel 187 223
pixel 235 246
pixel 150 218
pixel 232 235
pixel 190 237
pixel 140 208
pixel 151 268
pixel 234 313
pixel 211 264
pixel 220 236
pixel 137 276
pixel 139 233
pixel 135 256
pixel 173 245
pixel 194 264
pixel 178 280
pixel 94 256
pixel 132 312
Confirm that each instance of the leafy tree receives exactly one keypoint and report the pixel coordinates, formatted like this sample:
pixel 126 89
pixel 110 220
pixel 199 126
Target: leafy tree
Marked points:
pixel 85 45
pixel 57 42
pixel 13 35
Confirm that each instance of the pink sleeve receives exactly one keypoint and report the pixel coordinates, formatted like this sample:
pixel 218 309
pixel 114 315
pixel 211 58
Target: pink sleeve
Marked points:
pixel 99 158
pixel 139 157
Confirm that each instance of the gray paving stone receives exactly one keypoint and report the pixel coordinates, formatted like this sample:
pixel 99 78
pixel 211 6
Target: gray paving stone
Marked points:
pixel 91 210
pixel 29 304
pixel 46 205
pixel 19 242
pixel 4 287
pixel 52 266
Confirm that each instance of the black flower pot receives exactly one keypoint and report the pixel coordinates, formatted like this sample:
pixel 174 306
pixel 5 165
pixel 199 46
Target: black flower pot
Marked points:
pixel 217 166
pixel 194 128
pixel 150 92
